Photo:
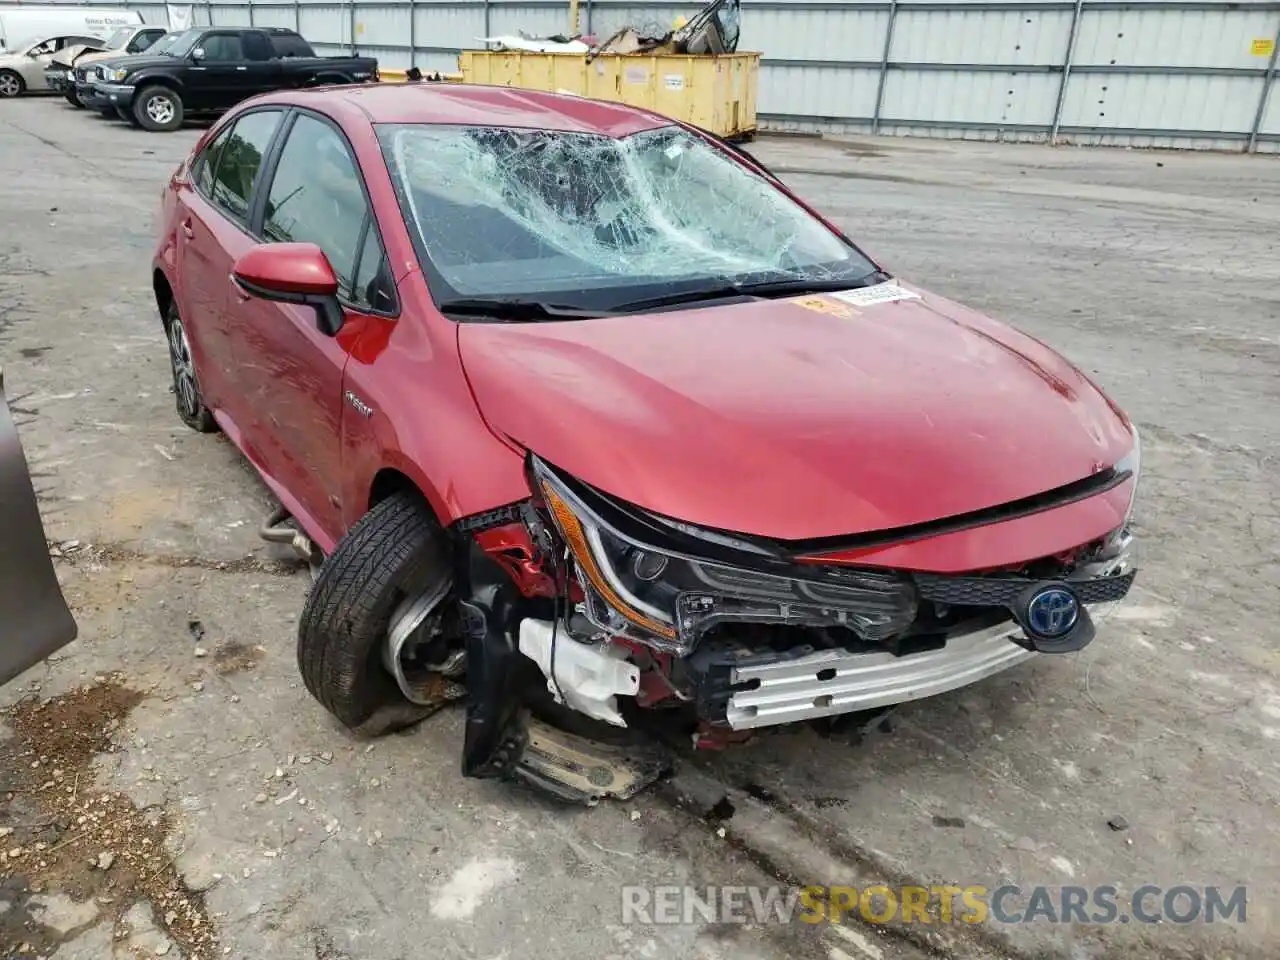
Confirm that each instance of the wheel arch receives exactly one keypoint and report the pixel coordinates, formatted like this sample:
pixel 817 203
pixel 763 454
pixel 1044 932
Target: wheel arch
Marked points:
pixel 157 80
pixel 164 294
pixel 389 481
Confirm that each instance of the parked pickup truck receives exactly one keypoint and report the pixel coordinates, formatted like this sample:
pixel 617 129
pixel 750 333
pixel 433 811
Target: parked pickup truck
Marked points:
pixel 206 70
pixel 124 42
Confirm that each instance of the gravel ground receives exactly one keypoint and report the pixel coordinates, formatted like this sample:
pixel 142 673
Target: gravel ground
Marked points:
pixel 171 789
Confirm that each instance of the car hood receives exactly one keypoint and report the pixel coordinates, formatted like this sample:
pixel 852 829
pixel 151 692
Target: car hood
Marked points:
pixel 137 61
pixel 799 418
pixel 81 54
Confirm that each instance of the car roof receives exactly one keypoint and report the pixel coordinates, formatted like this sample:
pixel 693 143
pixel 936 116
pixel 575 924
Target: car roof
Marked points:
pixel 472 105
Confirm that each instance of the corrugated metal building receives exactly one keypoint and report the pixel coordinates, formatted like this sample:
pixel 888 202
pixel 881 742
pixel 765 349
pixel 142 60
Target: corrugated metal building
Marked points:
pixel 1196 74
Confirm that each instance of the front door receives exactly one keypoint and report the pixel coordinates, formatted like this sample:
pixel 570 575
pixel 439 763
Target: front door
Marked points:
pixel 219 75
pixel 292 374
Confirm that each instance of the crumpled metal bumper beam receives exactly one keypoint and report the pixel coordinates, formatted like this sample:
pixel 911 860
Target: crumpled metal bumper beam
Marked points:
pixel 833 682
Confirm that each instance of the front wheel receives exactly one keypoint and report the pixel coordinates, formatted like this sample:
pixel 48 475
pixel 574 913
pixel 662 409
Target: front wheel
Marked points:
pixel 384 593
pixel 158 109
pixel 11 84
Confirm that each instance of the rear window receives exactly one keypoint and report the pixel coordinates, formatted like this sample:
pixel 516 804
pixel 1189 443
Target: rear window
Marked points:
pixel 239 160
pixel 290 45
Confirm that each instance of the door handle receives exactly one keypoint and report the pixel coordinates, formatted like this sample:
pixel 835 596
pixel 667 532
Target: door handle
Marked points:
pixel 187 230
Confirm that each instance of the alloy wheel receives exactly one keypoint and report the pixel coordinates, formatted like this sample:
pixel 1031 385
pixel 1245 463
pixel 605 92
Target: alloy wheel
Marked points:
pixel 160 109
pixel 417 651
pixel 184 372
pixel 10 86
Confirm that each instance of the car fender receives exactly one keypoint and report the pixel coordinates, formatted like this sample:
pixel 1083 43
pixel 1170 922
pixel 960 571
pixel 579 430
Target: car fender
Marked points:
pixel 410 409
pixel 34 612
pixel 153 78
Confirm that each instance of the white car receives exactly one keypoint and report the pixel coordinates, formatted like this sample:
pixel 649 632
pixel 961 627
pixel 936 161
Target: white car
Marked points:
pixel 23 71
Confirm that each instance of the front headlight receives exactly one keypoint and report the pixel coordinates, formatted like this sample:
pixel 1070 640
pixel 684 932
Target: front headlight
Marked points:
pixel 669 600
pixel 1131 462
pixel 114 74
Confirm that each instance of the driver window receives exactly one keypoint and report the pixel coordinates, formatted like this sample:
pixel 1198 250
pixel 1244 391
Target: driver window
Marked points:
pixel 222 47
pixel 316 197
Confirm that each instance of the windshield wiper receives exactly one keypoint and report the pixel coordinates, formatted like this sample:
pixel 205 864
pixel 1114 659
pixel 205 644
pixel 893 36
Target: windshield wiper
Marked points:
pixel 517 309
pixel 763 288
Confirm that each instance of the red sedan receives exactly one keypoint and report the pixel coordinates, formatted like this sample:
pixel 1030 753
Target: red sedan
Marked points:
pixel 580 411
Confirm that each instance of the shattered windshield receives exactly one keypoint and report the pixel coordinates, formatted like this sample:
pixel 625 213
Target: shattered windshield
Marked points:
pixel 591 220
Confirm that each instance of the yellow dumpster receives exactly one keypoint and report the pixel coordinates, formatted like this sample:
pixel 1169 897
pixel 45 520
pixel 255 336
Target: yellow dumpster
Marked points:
pixel 715 92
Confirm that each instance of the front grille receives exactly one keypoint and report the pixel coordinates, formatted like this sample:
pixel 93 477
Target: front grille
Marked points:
pixel 1003 591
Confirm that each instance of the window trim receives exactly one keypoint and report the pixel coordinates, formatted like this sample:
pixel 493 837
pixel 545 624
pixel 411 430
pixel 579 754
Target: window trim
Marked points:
pixel 267 157
pixel 257 209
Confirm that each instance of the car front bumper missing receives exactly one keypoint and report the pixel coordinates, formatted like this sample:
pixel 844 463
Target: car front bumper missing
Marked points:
pixel 833 682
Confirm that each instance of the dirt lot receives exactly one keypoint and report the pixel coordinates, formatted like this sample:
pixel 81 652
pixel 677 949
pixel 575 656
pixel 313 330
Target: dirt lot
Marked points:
pixel 170 789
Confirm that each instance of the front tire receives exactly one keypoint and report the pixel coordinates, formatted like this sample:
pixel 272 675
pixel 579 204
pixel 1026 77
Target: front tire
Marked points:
pixel 158 109
pixel 395 552
pixel 73 98
pixel 11 84
pixel 186 385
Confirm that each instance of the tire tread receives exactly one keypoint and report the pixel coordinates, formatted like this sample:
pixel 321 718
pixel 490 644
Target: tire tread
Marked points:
pixel 346 616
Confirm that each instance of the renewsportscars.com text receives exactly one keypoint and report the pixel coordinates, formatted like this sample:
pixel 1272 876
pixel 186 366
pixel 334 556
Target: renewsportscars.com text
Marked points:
pixel 939 904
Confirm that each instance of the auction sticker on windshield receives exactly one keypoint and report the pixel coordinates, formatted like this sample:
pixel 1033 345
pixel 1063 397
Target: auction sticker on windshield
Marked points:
pixel 880 293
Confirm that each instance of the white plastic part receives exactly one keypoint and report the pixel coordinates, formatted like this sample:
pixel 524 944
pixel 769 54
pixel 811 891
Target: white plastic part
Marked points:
pixel 590 677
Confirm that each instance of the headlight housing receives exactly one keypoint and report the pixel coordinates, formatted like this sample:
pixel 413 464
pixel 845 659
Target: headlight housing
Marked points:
pixel 114 74
pixel 669 600
pixel 1131 462
pixel 1116 554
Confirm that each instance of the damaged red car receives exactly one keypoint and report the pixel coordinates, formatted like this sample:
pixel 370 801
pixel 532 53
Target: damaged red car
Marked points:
pixel 579 412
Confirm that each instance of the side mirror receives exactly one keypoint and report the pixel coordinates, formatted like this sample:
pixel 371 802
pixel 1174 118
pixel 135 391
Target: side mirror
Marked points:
pixel 292 273
pixel 197 54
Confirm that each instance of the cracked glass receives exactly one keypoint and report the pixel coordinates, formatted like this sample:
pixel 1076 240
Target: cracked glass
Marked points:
pixel 589 219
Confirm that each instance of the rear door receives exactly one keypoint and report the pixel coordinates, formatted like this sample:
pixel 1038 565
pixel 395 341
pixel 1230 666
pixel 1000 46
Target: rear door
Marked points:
pixel 213 224
pixel 262 69
pixel 34 619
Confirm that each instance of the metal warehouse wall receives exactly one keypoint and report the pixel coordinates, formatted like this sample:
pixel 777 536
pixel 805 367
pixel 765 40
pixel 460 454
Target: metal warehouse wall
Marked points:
pixel 1197 74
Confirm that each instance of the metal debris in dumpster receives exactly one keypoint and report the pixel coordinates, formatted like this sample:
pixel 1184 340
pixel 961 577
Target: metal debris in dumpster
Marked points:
pixel 692 72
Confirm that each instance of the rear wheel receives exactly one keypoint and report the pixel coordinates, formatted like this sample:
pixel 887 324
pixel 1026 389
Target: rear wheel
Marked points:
pixel 186 385
pixel 384 593
pixel 11 84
